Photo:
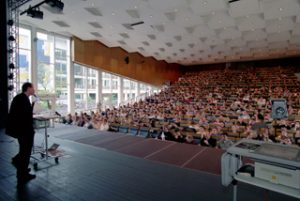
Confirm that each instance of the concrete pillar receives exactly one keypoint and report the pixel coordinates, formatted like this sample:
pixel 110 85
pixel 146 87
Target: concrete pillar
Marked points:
pixel 71 83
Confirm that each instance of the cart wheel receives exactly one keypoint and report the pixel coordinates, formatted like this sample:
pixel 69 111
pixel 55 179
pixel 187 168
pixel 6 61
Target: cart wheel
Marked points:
pixel 35 166
pixel 56 160
pixel 42 155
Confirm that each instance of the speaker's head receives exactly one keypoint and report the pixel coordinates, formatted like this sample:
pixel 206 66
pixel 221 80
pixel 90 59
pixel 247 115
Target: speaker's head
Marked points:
pixel 279 109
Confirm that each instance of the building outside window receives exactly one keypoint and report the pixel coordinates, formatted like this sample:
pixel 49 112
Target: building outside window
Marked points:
pixel 52 64
pixel 110 89
pixel 24 56
pixel 85 81
pixel 53 58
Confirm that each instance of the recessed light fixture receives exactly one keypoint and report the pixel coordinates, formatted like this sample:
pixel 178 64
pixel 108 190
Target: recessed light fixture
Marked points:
pixel 280 9
pixel 151 16
pixel 113 13
pixel 135 7
pixel 204 2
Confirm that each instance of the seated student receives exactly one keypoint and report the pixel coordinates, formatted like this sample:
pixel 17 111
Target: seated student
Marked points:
pixel 260 134
pixel 189 139
pixel 224 142
pixel 296 125
pixel 297 137
pixel 80 121
pixel 283 137
pixel 260 123
pixel 208 141
pixel 104 126
pixel 69 119
pixel 75 118
pixel 272 135
pixel 177 136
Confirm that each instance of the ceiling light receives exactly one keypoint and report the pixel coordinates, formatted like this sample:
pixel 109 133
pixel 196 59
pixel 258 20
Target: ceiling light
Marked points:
pixel 135 7
pixel 151 16
pixel 11 38
pixel 205 2
pixel 113 13
pixel 10 76
pixel 35 13
pixel 11 66
pixel 280 9
pixel 10 87
pixel 10 22
pixel 56 4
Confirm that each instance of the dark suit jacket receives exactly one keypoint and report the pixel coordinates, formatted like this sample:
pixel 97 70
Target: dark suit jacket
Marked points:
pixel 20 120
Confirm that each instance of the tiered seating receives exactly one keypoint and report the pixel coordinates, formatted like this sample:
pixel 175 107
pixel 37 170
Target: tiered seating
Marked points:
pixel 218 104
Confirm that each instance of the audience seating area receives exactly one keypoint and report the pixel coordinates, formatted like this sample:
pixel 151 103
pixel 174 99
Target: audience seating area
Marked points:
pixel 210 108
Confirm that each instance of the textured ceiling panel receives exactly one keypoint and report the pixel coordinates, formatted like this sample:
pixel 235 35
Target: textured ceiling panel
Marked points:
pixel 220 20
pixel 187 31
pixel 255 35
pixel 206 7
pixel 95 25
pixel 280 8
pixel 251 22
pixel 245 7
pixel 94 11
pixel 96 34
pixel 295 39
pixel 230 33
pixel 284 24
pixel 276 37
pixel 61 23
pixel 133 13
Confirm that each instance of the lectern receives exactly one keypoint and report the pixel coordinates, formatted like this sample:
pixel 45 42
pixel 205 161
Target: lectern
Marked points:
pixel 276 166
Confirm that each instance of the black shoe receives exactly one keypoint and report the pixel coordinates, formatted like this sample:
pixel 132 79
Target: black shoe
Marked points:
pixel 15 164
pixel 24 179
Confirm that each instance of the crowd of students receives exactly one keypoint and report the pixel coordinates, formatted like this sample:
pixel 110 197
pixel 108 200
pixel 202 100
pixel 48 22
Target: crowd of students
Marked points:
pixel 211 108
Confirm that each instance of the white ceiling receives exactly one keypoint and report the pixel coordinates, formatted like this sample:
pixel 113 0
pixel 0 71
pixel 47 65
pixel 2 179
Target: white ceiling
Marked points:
pixel 182 31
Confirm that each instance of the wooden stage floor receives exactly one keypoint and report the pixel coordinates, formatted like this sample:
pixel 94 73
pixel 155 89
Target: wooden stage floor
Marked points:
pixel 112 166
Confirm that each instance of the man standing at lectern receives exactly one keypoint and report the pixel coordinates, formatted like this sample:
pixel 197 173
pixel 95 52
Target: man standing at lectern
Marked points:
pixel 20 126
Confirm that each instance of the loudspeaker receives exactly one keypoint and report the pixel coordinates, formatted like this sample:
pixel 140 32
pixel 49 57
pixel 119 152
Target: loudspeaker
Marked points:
pixel 126 59
pixel 279 109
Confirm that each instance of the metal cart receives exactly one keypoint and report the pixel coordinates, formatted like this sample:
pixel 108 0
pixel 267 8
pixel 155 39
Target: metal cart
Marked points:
pixel 40 154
